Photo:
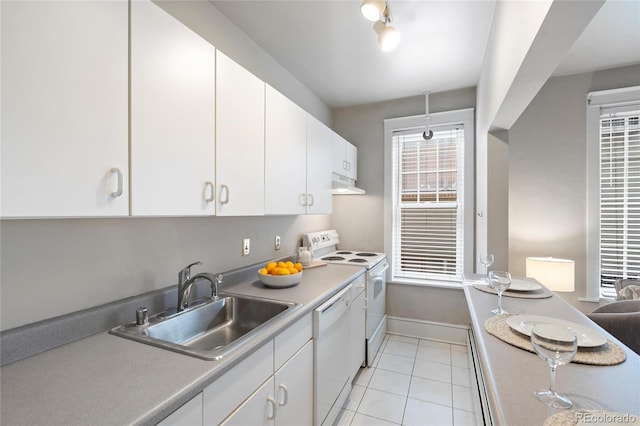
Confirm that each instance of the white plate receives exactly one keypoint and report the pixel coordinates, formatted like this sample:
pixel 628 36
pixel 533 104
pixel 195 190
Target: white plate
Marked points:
pixel 523 285
pixel 587 338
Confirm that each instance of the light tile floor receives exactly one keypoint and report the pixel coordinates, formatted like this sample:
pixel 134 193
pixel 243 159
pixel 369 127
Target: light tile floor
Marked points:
pixel 413 382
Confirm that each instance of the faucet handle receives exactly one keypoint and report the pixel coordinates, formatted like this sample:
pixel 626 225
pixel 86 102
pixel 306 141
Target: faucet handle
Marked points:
pixel 185 273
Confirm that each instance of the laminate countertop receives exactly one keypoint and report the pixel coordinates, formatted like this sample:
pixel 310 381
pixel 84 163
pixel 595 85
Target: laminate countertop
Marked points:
pixel 512 374
pixel 108 380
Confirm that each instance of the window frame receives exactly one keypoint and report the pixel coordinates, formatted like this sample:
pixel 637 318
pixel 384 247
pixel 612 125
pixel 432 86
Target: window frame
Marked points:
pixel 596 102
pixel 464 117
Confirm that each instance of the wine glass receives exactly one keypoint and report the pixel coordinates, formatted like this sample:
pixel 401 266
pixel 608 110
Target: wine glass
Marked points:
pixel 499 281
pixel 486 260
pixel 556 345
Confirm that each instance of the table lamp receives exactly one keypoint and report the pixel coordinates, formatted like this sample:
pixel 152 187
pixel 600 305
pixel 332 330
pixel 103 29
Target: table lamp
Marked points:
pixel 555 274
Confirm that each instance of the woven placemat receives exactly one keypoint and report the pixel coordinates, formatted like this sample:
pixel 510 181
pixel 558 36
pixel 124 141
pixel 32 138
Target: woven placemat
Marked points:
pixel 591 417
pixel 542 293
pixel 607 354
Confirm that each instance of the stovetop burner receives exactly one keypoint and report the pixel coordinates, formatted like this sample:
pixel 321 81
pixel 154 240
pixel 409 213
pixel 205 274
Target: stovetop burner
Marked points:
pixel 344 252
pixel 366 254
pixel 356 260
pixel 333 258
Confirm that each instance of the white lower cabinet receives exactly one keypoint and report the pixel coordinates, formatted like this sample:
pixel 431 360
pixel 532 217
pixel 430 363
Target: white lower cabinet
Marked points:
pixel 285 399
pixel 294 389
pixel 259 409
pixel 190 414
pixel 273 386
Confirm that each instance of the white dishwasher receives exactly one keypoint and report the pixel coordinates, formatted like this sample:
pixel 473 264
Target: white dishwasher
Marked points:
pixel 331 338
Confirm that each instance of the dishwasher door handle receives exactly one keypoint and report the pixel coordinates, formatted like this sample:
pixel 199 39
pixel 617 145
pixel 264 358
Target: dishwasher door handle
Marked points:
pixel 332 310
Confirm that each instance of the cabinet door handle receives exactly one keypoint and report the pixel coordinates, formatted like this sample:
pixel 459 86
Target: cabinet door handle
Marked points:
pixel 304 200
pixel 274 406
pixel 285 395
pixel 345 164
pixel 310 198
pixel 224 189
pixel 209 192
pixel 118 191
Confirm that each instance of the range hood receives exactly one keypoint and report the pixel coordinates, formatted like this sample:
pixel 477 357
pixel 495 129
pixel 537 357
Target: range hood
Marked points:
pixel 344 186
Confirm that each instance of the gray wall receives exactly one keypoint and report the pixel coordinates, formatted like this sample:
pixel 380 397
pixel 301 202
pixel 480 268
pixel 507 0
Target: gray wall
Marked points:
pixel 360 218
pixel 547 173
pixel 53 267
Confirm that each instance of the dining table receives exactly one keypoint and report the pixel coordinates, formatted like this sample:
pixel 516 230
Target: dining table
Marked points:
pixel 509 375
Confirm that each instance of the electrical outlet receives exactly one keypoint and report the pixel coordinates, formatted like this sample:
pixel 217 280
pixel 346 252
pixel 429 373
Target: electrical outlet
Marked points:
pixel 246 247
pixel 277 242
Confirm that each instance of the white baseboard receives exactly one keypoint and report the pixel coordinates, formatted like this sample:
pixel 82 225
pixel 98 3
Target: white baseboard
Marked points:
pixel 421 329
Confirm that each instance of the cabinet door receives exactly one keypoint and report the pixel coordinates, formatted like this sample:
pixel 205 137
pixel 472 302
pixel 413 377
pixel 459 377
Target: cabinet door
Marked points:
pixel 259 409
pixel 285 155
pixel 229 391
pixel 172 116
pixel 294 389
pixel 358 329
pixel 239 140
pixel 339 151
pixel 319 163
pixel 190 414
pixel 351 158
pixel 64 108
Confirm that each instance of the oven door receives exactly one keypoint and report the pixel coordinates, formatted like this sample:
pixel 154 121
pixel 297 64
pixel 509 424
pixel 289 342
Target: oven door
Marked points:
pixel 376 290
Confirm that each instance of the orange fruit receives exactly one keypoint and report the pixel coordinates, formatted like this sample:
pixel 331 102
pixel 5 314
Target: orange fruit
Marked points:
pixel 270 266
pixel 298 266
pixel 263 271
pixel 282 264
pixel 288 263
pixel 293 270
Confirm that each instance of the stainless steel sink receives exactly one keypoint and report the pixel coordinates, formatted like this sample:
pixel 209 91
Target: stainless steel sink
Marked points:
pixel 210 330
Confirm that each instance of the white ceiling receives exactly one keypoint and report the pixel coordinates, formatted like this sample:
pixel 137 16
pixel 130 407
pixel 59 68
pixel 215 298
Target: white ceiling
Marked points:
pixel 329 46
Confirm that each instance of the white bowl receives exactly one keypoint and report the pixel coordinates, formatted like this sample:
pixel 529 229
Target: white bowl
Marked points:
pixel 280 280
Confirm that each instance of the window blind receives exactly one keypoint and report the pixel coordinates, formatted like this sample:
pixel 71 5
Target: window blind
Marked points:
pixel 427 214
pixel 619 197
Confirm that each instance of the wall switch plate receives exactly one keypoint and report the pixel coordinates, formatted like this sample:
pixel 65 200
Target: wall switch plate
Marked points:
pixel 277 242
pixel 246 247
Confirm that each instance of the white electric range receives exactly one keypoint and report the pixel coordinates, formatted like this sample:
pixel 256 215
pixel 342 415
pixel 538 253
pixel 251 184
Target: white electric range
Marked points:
pixel 323 246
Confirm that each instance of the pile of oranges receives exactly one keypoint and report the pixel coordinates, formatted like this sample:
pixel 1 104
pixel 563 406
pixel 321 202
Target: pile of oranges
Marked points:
pixel 281 268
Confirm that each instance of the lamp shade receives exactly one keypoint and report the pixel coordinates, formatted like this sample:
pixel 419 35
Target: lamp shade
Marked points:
pixel 372 9
pixel 388 38
pixel 555 274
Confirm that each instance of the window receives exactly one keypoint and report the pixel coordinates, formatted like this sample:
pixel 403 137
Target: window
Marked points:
pixel 427 184
pixel 619 198
pixel 614 191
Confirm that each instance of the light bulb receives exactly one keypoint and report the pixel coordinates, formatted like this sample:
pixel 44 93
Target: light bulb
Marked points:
pixel 388 38
pixel 372 9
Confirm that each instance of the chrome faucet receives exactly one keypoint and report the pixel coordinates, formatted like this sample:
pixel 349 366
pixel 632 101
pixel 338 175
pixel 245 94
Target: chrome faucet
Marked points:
pixel 186 281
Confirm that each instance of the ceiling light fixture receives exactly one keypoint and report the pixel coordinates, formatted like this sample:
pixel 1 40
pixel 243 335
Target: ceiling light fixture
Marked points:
pixel 388 37
pixel 372 9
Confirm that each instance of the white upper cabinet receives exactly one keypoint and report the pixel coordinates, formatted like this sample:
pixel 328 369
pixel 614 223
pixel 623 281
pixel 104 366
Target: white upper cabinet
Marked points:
pixel 319 158
pixel 172 116
pixel 345 158
pixel 285 155
pixel 64 109
pixel 240 111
